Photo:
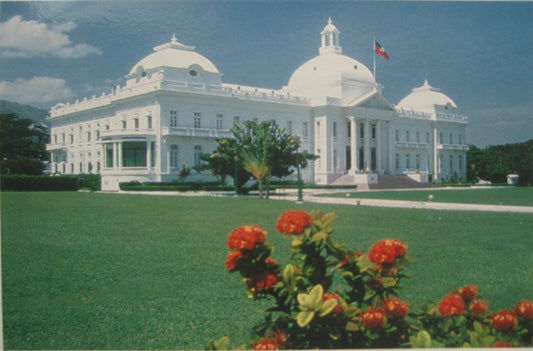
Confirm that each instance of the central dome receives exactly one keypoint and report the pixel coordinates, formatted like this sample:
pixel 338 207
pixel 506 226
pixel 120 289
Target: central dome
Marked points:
pixel 174 55
pixel 331 74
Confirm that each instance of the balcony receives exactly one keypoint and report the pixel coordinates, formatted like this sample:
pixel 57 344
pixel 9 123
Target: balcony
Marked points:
pixel 461 147
pixel 136 132
pixel 411 145
pixel 56 146
pixel 197 132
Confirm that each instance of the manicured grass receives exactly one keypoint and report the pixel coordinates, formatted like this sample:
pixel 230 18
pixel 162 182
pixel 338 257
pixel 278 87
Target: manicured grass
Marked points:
pixel 109 271
pixel 517 196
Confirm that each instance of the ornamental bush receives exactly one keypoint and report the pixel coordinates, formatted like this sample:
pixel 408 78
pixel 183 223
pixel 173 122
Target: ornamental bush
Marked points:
pixel 330 296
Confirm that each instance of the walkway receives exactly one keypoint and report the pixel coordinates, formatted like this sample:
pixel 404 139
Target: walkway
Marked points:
pixel 312 196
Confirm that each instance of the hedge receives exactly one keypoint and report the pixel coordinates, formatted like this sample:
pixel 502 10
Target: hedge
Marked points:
pixel 50 183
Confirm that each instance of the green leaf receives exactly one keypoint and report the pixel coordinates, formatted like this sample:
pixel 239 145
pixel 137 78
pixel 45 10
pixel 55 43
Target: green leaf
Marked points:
pixel 315 296
pixel 327 307
pixel 319 236
pixel 220 344
pixel 421 340
pixel 351 326
pixel 304 318
pixel 389 282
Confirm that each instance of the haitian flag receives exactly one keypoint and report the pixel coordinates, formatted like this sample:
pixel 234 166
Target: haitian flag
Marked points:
pixel 380 50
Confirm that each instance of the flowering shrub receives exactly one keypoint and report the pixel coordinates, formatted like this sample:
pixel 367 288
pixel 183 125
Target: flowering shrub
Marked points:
pixel 331 297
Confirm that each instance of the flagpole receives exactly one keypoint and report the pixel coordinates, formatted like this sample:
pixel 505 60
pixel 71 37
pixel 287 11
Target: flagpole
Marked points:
pixel 374 51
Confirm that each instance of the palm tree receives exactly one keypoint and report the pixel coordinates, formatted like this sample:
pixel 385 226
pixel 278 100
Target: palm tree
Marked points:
pixel 257 166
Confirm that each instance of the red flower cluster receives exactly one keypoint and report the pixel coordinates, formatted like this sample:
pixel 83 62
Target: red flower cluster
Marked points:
pixel 278 341
pixel 467 292
pixel 374 318
pixel 232 259
pixel 524 309
pixel 386 251
pixel 245 237
pixel 478 306
pixel 504 320
pixel 451 305
pixel 394 307
pixel 293 222
pixel 263 281
pixel 329 296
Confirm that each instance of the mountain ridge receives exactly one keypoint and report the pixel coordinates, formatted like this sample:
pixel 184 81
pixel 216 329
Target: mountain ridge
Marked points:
pixel 37 115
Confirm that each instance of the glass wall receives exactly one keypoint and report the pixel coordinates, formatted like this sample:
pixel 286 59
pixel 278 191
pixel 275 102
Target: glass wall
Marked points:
pixel 134 154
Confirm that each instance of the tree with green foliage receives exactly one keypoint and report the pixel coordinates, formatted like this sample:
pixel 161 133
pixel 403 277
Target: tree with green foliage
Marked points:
pixel 494 163
pixel 23 145
pixel 262 150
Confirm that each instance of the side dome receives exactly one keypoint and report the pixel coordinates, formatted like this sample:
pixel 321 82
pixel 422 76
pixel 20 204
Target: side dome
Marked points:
pixel 331 74
pixel 425 99
pixel 174 55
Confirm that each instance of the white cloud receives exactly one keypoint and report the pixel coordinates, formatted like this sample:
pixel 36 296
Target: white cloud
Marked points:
pixel 20 38
pixel 36 91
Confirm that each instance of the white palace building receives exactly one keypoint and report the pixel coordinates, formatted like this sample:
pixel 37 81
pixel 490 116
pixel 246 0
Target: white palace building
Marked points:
pixel 174 105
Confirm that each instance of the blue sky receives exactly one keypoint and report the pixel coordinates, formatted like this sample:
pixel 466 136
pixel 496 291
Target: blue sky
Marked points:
pixel 478 53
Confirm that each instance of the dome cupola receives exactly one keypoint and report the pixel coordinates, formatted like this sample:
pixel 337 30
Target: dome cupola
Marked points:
pixel 331 74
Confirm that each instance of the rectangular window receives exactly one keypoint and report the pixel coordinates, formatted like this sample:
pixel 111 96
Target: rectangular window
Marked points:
pixel 397 161
pixel 197 153
pixel 149 122
pixel 304 129
pixel 134 154
pixel 417 162
pixel 407 136
pixel 220 119
pixel 71 136
pixel 173 156
pixel 417 137
pixel 88 136
pixel 197 120
pixel 397 136
pixel 318 129
pixel 451 139
pixel 62 137
pixel 373 131
pixel 440 138
pixel 349 129
pixel 427 137
pixel 98 135
pixel 173 118
pixel 451 162
pixel 136 123
pixel 124 124
pixel 334 129
pixel 361 130
pixel 460 139
pixel 460 162
pixel 407 161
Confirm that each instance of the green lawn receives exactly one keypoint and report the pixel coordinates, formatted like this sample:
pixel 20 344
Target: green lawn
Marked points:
pixel 517 196
pixel 109 271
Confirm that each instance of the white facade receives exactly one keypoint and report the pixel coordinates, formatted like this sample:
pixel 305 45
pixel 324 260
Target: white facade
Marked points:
pixel 174 105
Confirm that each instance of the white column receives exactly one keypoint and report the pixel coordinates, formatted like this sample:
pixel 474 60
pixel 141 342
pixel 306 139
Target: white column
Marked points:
pixel 435 157
pixel 367 145
pixel 392 148
pixel 378 147
pixel 148 155
pixel 353 145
